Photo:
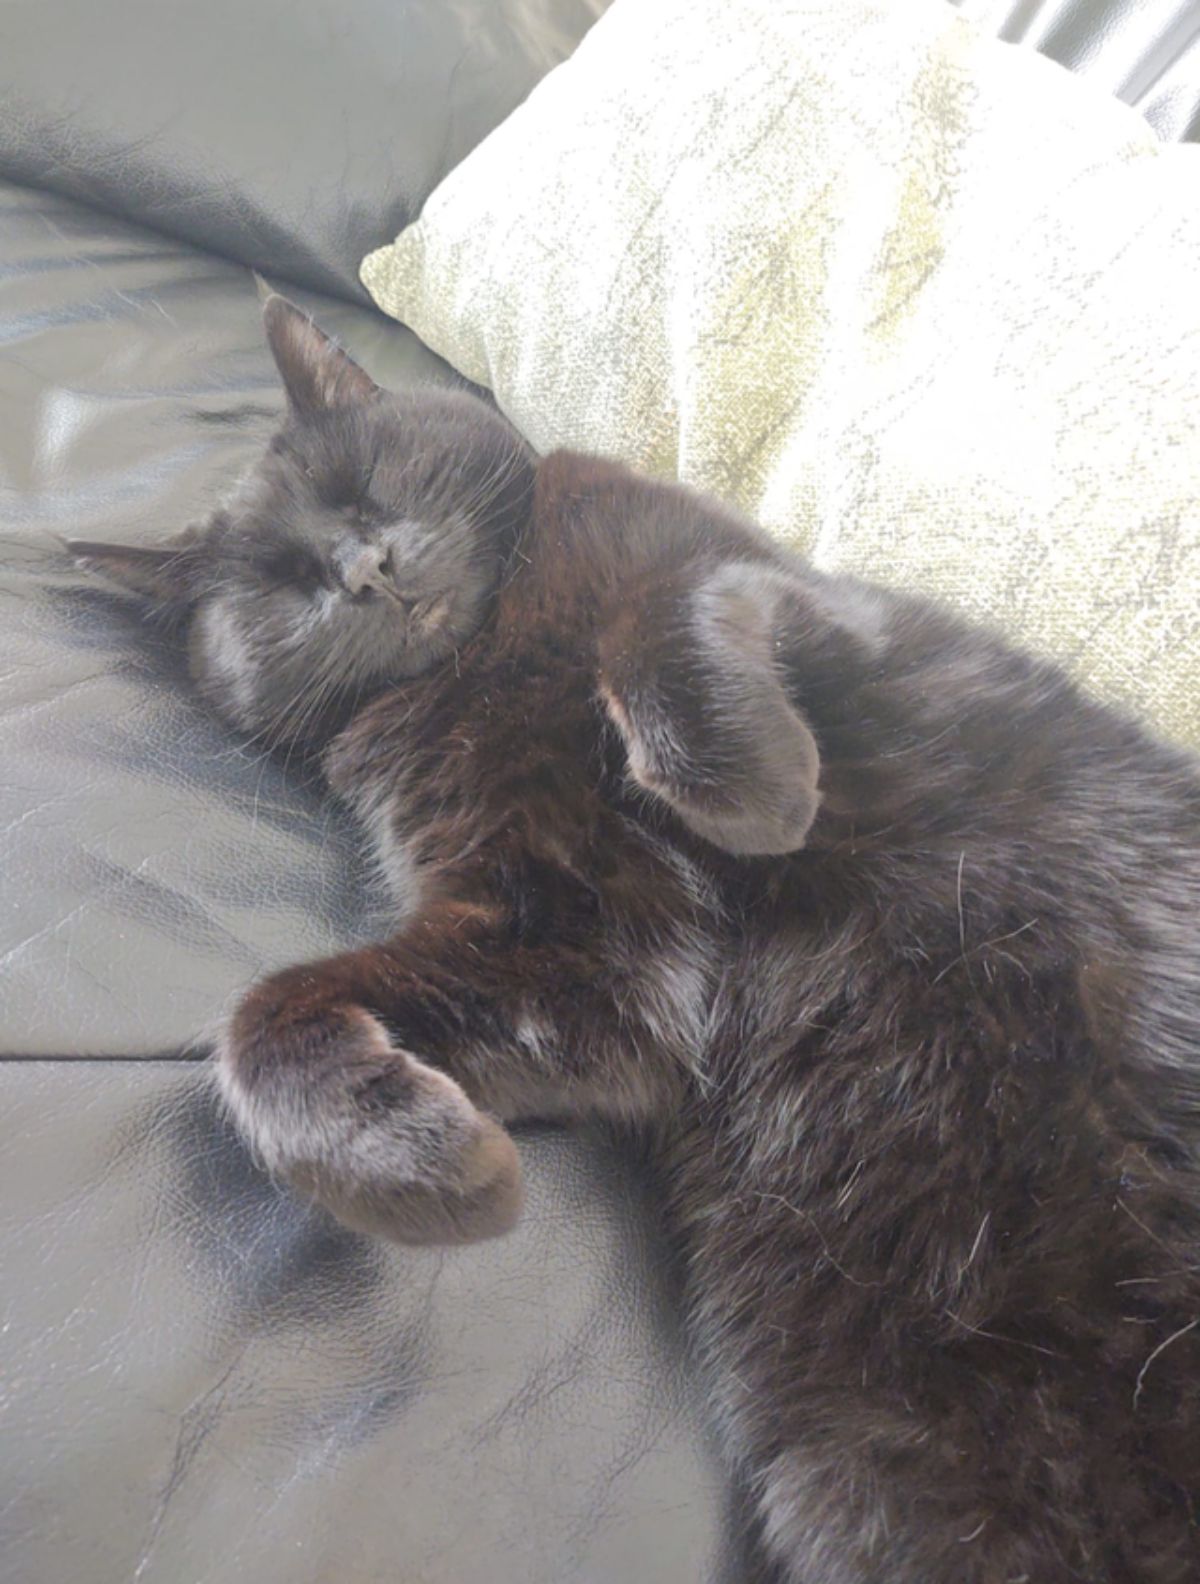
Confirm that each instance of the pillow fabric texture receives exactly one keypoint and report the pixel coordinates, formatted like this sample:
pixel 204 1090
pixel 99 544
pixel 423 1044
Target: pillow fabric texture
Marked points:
pixel 922 303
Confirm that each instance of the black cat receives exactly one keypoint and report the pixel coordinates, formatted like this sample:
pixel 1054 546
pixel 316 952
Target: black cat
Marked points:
pixel 884 935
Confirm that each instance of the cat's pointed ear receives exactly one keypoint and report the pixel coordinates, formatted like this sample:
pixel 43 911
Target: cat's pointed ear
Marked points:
pixel 316 373
pixel 163 574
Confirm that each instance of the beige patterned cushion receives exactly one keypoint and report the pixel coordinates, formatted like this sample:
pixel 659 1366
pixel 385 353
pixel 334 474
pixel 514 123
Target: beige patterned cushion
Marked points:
pixel 924 304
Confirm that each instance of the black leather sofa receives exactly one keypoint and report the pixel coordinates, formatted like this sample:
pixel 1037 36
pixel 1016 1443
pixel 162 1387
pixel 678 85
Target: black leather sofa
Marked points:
pixel 202 1381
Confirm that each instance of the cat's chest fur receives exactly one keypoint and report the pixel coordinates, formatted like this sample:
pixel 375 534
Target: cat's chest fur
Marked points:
pixel 506 749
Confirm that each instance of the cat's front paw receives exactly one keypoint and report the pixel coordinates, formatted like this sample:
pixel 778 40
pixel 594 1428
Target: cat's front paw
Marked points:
pixel 388 1144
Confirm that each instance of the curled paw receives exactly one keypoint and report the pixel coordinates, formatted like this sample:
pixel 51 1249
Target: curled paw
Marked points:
pixel 387 1143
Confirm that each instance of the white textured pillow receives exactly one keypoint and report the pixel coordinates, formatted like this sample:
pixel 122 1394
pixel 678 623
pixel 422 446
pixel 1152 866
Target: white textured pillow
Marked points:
pixel 919 301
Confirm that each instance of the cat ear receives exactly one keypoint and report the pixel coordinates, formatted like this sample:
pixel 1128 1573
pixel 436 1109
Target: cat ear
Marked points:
pixel 162 573
pixel 316 374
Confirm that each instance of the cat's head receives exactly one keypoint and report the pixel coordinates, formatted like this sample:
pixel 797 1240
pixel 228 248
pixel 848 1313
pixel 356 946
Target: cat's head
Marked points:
pixel 363 546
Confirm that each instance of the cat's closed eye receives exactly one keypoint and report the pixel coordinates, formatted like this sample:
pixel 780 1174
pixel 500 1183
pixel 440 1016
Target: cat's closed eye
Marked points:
pixel 292 567
pixel 345 492
pixel 365 510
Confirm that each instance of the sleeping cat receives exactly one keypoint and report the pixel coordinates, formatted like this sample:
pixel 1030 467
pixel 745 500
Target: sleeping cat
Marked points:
pixel 885 936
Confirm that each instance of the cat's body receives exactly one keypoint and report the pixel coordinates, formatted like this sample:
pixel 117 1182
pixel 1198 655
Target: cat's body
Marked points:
pixel 884 935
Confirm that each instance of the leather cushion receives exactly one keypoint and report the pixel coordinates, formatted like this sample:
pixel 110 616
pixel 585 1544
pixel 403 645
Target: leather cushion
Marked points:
pixel 292 138
pixel 203 1379
pixel 1147 55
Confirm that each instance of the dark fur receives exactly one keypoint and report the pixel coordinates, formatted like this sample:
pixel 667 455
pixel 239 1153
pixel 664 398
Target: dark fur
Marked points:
pixel 882 932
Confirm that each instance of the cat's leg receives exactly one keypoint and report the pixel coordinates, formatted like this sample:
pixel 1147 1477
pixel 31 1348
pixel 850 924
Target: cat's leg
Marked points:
pixel 375 1081
pixel 920 1397
pixel 690 673
pixel 1033 1478
pixel 858 1482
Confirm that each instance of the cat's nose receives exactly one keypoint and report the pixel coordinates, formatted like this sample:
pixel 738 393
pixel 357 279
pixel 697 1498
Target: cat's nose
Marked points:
pixel 365 567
